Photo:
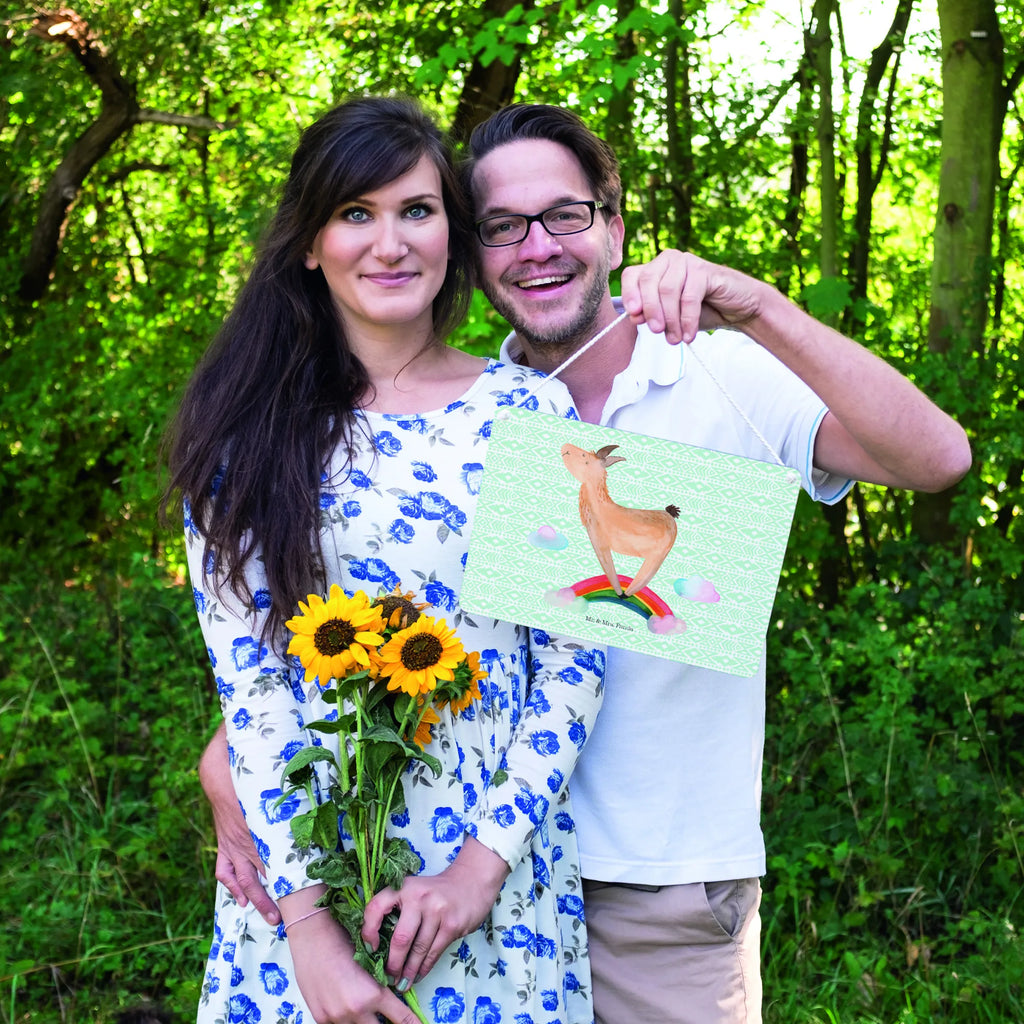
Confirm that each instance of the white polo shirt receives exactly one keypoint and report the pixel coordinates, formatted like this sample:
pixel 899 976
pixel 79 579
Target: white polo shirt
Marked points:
pixel 668 788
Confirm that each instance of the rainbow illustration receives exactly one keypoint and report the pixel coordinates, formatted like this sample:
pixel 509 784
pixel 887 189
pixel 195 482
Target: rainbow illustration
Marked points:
pixel 645 603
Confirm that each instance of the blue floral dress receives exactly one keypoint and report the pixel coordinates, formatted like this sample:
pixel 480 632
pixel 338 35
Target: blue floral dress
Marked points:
pixel 402 516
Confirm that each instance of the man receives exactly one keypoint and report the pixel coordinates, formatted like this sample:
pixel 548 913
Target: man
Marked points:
pixel 667 790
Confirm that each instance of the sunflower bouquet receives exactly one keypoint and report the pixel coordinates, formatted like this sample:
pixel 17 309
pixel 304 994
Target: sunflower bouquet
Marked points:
pixel 390 669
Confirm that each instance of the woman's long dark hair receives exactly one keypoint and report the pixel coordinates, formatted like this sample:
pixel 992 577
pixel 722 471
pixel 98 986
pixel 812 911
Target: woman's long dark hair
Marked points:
pixel 276 392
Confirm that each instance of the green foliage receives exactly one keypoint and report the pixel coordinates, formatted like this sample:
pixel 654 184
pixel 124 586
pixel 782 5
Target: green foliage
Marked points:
pixel 826 298
pixel 107 876
pixel 893 811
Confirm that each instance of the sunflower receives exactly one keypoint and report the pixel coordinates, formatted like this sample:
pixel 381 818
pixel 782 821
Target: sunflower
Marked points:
pixel 472 691
pixel 398 609
pixel 332 636
pixel 423 731
pixel 418 656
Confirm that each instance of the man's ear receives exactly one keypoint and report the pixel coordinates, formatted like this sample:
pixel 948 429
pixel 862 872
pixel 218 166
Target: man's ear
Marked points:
pixel 616 236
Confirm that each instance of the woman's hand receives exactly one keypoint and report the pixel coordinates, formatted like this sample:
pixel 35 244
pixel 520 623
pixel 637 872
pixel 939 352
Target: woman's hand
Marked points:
pixel 435 910
pixel 336 989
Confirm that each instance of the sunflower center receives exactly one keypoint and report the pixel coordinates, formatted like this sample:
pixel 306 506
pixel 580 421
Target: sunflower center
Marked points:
pixel 421 651
pixel 390 603
pixel 334 636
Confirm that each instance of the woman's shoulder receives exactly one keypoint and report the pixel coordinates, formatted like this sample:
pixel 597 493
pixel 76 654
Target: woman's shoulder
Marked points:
pixel 512 371
pixel 530 388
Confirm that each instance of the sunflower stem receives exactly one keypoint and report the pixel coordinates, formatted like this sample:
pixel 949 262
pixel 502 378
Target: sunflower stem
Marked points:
pixel 359 834
pixel 380 832
pixel 414 1004
pixel 310 794
pixel 412 716
pixel 343 764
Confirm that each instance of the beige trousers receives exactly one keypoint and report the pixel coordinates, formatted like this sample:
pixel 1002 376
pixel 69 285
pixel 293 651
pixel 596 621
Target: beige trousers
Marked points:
pixel 675 954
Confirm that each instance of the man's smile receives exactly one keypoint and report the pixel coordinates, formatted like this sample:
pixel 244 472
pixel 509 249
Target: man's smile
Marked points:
pixel 541 282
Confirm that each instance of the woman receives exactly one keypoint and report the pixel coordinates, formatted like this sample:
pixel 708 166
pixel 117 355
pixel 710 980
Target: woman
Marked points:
pixel 330 436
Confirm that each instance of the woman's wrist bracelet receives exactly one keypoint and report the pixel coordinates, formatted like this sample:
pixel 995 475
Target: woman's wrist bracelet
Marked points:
pixel 304 917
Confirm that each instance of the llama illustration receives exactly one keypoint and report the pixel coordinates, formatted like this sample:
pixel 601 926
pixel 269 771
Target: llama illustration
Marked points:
pixel 643 533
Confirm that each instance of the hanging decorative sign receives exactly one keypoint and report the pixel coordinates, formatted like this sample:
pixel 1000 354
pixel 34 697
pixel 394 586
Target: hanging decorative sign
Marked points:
pixel 628 540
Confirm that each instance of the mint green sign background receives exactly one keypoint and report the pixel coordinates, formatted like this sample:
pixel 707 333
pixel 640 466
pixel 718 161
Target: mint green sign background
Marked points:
pixel 528 542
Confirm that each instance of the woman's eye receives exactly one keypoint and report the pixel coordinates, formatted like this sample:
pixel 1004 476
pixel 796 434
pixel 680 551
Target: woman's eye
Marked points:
pixel 419 211
pixel 354 214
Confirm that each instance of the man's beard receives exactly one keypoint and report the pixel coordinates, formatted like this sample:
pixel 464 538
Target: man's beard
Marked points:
pixel 566 337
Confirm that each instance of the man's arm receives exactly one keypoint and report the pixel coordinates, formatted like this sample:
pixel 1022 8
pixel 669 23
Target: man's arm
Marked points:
pixel 238 864
pixel 880 427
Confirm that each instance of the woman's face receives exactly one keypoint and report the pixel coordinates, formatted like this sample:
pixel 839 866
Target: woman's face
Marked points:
pixel 384 254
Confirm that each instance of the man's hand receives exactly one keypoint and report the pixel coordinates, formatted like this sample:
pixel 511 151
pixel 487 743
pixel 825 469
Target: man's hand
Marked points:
pixel 680 294
pixel 238 864
pixel 873 409
pixel 435 910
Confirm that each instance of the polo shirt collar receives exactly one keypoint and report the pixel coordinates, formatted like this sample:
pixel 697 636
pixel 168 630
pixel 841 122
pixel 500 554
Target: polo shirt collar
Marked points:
pixel 654 361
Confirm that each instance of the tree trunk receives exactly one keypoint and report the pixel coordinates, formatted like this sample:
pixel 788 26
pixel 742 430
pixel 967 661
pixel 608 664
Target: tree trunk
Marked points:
pixel 679 132
pixel 796 199
pixel 117 116
pixel 869 172
pixel 836 563
pixel 819 52
pixel 973 107
pixel 487 89
pixel 119 113
pixel 619 126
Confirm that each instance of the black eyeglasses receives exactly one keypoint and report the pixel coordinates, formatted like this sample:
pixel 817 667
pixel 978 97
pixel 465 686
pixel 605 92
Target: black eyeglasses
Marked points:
pixel 564 219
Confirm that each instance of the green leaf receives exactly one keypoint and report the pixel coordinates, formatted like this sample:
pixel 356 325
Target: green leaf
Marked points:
pixel 299 767
pixel 372 963
pixel 351 919
pixel 381 733
pixel 429 760
pixel 384 761
pixel 484 39
pixel 329 727
pixel 302 828
pixel 325 828
pixel 398 862
pixel 827 298
pixel 338 869
pixel 379 695
pixel 452 55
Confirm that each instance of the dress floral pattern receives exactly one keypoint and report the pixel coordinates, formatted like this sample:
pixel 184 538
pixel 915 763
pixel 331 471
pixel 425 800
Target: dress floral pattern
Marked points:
pixel 400 514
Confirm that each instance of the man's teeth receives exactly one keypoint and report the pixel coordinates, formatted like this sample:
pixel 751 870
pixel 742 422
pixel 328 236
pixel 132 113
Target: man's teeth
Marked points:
pixel 538 282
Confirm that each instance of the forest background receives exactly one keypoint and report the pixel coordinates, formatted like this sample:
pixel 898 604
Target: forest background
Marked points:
pixel 865 157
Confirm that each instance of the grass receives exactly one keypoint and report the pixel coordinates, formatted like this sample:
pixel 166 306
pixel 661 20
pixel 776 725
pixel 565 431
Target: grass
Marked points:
pixel 107 864
pixel 893 811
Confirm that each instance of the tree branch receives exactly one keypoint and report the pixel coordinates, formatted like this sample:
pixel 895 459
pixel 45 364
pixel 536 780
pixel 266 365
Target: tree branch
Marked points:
pixel 1013 80
pixel 67 27
pixel 119 113
pixel 206 124
pixel 885 58
pixel 127 170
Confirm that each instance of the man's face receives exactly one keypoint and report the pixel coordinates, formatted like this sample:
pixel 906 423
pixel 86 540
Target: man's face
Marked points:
pixel 552 289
